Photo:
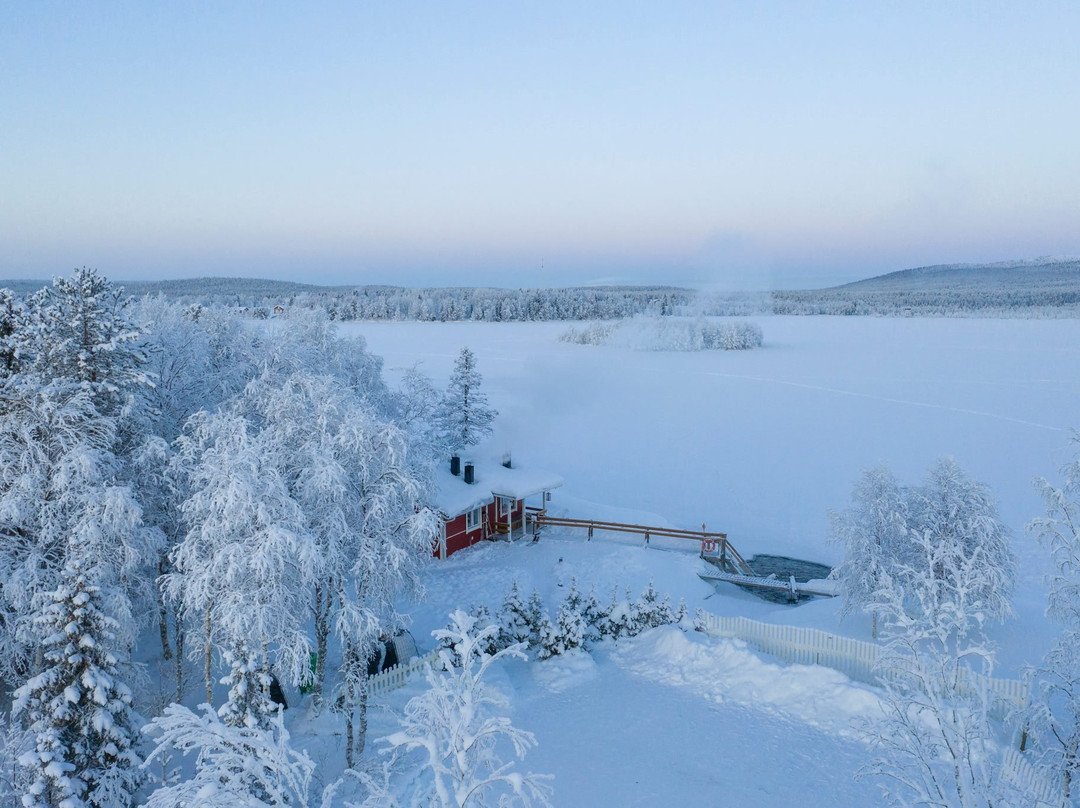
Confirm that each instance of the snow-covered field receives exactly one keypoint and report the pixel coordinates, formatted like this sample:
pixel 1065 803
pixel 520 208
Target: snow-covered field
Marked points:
pixel 760 444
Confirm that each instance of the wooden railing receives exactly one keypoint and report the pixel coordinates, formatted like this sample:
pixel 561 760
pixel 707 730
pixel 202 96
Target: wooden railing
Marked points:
pixel 712 544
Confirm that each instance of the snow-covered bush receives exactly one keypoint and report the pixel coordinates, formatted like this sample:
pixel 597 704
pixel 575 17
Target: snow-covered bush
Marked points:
pixel 592 334
pixel 456 726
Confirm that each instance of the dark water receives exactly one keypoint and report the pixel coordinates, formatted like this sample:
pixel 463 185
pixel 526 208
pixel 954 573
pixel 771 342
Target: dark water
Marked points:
pixel 784 567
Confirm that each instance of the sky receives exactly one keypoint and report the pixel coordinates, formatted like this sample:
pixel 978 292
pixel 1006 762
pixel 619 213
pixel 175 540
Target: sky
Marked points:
pixel 715 145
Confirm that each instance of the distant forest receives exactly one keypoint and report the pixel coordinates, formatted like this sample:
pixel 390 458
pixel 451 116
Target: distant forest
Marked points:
pixel 1029 289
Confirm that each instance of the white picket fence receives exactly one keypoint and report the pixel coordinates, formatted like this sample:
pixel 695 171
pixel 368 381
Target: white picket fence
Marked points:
pixel 855 658
pixel 398 676
pixel 1017 770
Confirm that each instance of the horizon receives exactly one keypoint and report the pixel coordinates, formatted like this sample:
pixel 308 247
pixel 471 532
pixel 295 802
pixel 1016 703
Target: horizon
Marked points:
pixel 1006 264
pixel 724 148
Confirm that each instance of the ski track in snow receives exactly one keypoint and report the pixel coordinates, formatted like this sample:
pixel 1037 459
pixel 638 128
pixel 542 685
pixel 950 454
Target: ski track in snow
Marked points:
pixel 872 397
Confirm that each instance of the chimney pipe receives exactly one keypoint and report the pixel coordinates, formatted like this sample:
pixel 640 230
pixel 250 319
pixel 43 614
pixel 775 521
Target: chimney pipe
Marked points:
pixel 468 473
pixel 455 465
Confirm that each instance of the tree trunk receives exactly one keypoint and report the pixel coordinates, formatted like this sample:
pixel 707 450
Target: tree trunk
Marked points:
pixel 163 614
pixel 208 658
pixel 179 658
pixel 348 740
pixel 323 600
pixel 361 711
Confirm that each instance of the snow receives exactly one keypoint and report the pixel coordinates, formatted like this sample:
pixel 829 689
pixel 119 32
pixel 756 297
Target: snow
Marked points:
pixel 758 444
pixel 762 444
pixel 490 478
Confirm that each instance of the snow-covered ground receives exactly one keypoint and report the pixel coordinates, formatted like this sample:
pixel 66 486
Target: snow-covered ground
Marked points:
pixel 760 444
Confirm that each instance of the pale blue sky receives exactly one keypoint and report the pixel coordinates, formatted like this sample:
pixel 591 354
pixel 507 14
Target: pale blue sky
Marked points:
pixel 755 144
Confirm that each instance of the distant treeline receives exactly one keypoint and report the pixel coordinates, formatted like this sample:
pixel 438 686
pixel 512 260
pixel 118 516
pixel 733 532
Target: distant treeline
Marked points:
pixel 260 298
pixel 989 302
pixel 1041 288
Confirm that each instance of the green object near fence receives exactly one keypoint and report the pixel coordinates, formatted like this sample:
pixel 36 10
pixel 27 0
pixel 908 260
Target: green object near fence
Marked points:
pixel 305 689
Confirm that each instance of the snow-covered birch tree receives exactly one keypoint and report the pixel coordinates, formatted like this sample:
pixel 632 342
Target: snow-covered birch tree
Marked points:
pixel 954 574
pixel 873 532
pixel 1053 719
pixel 456 727
pixel 245 566
pixel 236 766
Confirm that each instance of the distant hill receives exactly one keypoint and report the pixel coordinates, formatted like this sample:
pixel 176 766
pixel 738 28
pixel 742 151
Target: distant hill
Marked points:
pixel 1042 273
pixel 1044 287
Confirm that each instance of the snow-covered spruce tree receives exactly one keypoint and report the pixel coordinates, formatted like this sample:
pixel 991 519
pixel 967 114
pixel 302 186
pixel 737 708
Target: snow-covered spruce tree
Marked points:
pixel 873 532
pixel 1053 718
pixel 594 615
pixel 570 627
pixel 514 624
pixel 617 621
pixel 79 329
pixel 540 627
pixel 77 708
pixel 12 319
pixel 456 726
pixel 249 703
pixel 650 610
pixel 464 417
pixel 235 766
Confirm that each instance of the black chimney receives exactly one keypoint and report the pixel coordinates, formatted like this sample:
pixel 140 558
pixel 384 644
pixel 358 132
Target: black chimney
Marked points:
pixel 455 465
pixel 468 473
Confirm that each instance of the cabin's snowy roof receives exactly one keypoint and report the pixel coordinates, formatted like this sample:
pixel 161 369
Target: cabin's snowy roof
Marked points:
pixel 490 479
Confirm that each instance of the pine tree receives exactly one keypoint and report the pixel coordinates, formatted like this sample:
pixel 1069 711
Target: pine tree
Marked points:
pixel 514 625
pixel 12 316
pixel 464 417
pixel 594 615
pixel 77 709
pixel 570 627
pixel 79 331
pixel 249 703
pixel 650 610
pixel 540 627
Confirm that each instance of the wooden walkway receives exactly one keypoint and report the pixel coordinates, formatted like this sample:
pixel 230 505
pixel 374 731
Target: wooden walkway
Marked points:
pixel 714 546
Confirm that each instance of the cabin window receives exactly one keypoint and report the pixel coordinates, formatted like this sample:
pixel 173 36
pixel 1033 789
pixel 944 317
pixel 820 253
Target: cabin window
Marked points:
pixel 474 518
pixel 506 505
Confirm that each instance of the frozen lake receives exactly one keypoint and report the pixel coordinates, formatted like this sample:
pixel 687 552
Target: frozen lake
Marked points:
pixel 763 443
